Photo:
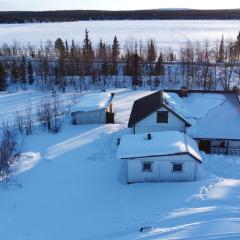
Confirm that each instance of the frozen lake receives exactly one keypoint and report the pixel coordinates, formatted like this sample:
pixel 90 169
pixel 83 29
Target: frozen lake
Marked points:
pixel 166 32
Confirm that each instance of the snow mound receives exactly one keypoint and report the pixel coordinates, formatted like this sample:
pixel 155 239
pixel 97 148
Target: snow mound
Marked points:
pixel 27 161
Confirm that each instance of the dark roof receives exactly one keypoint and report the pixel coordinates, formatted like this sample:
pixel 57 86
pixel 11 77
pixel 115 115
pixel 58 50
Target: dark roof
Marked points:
pixel 145 106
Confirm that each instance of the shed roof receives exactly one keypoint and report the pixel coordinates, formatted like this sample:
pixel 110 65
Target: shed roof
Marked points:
pixel 161 144
pixel 92 101
pixel 145 106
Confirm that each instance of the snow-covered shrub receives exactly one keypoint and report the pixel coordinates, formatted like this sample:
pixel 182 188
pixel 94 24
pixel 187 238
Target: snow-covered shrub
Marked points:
pixel 10 151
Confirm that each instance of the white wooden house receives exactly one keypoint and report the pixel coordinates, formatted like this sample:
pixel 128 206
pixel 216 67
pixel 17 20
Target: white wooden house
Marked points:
pixel 216 127
pixel 152 114
pixel 160 157
pixel 93 108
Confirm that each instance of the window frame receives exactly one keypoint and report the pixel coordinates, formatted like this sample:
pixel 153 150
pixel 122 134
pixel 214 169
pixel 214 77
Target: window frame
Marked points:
pixel 165 117
pixel 177 163
pixel 151 167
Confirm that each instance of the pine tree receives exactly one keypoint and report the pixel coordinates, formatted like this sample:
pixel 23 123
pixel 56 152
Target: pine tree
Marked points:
pixel 136 70
pixel 14 71
pixel 151 54
pixel 159 67
pixel 30 73
pixel 3 81
pixel 22 71
pixel 237 49
pixel 221 53
pixel 88 54
pixel 151 57
pixel 115 55
pixel 59 46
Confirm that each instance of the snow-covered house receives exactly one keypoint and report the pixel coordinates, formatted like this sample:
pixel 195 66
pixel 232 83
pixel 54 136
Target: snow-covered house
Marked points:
pixel 93 108
pixel 151 113
pixel 211 118
pixel 160 156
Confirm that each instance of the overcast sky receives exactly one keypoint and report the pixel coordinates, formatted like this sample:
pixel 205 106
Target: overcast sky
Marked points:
pixel 6 5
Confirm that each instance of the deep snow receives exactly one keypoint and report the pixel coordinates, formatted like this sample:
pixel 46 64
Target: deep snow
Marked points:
pixel 71 186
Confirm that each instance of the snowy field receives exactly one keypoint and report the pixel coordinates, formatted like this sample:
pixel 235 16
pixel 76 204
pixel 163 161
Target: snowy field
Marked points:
pixel 166 32
pixel 72 186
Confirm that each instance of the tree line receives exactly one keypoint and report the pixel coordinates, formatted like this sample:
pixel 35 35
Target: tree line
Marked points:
pixel 62 64
pixel 77 15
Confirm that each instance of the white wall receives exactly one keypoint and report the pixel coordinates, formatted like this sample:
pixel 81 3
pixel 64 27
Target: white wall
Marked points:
pixel 90 117
pixel 162 169
pixel 149 124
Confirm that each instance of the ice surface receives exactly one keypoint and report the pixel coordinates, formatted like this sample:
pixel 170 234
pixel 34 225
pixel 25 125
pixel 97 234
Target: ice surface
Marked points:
pixel 168 33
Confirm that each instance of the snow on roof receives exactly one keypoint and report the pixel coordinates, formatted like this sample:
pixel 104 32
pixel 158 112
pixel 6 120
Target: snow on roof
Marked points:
pixel 212 115
pixel 161 143
pixel 92 101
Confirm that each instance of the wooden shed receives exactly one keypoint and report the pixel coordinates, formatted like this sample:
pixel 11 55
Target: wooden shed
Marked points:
pixel 160 157
pixel 93 108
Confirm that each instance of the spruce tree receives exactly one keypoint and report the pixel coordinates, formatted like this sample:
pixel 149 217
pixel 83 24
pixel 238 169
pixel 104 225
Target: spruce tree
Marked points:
pixel 136 69
pixel 88 54
pixel 14 71
pixel 22 71
pixel 115 55
pixel 30 73
pixel 3 75
pixel 221 51
pixel 159 67
pixel 59 46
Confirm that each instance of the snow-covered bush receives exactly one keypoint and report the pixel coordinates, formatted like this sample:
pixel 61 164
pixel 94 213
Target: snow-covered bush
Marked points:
pixel 10 151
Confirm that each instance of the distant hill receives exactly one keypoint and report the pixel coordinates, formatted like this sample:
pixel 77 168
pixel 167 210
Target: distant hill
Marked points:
pixel 155 14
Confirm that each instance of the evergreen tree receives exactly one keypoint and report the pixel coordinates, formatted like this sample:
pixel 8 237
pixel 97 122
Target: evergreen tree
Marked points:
pixel 151 57
pixel 136 70
pixel 159 67
pixel 115 55
pixel 127 67
pixel 22 71
pixel 88 54
pixel 30 73
pixel 59 46
pixel 151 54
pixel 237 48
pixel 14 71
pixel 3 75
pixel 221 53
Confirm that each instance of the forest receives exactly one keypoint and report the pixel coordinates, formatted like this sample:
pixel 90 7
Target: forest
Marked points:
pixel 59 65
pixel 77 15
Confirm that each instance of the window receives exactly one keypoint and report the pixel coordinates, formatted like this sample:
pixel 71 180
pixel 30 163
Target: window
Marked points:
pixel 147 167
pixel 162 117
pixel 177 167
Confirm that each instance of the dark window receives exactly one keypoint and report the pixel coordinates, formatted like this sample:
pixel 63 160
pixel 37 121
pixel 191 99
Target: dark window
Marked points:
pixel 162 117
pixel 177 167
pixel 147 167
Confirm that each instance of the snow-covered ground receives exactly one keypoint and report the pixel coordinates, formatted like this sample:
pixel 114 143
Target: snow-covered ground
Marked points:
pixel 72 186
pixel 167 33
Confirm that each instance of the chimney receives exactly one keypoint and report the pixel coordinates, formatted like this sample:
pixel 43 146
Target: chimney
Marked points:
pixel 149 136
pixel 184 92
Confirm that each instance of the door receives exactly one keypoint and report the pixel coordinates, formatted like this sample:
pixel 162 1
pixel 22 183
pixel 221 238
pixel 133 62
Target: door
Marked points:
pixel 205 145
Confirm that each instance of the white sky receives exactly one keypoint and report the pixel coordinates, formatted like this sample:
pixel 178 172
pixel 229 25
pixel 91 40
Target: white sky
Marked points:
pixel 6 5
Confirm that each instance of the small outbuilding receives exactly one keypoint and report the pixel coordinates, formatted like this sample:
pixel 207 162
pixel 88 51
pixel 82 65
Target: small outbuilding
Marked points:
pixel 169 156
pixel 93 108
